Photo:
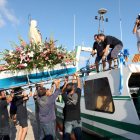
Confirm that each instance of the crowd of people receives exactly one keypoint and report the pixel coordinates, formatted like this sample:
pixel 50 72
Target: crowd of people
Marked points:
pixel 45 110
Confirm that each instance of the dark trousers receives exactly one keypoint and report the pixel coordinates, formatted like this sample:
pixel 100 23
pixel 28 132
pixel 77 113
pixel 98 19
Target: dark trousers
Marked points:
pixel 6 137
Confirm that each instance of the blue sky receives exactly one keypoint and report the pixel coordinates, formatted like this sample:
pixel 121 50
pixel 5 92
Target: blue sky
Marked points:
pixel 58 15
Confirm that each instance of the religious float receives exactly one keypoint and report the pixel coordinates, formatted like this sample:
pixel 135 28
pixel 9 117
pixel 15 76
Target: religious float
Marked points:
pixel 108 109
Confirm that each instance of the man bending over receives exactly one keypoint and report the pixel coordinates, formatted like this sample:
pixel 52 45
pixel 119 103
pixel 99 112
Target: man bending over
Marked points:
pixel 115 44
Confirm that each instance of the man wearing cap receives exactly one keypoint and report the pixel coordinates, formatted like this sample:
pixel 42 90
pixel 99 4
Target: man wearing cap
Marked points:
pixel 136 31
pixel 4 117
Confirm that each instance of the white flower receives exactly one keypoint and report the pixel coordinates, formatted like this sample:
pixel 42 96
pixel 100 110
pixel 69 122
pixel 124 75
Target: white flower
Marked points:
pixel 58 50
pixel 57 46
pixel 31 54
pixel 64 47
pixel 25 64
pixel 6 64
pixel 22 52
pixel 11 52
pixel 50 61
pixel 41 49
pixel 69 51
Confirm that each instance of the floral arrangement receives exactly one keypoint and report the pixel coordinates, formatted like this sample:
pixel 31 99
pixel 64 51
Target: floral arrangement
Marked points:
pixel 28 56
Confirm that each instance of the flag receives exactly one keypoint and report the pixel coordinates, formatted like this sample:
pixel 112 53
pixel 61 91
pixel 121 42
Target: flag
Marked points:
pixel 136 58
pixel 126 58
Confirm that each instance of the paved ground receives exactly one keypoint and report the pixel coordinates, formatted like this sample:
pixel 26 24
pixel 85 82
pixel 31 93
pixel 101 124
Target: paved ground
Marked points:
pixel 32 128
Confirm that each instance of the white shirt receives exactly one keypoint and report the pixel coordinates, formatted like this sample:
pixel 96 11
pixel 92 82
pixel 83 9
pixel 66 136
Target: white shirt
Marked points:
pixel 138 33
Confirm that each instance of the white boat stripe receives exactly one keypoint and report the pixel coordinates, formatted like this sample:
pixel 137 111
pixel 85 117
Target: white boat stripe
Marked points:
pixel 108 128
pixel 117 131
pixel 60 110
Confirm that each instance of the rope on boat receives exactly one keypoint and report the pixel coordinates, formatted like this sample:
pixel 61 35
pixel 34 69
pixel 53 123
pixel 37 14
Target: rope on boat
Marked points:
pixel 48 72
pixel 27 76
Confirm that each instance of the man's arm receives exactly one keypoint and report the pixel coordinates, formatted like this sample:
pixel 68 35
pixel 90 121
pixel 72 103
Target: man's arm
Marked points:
pixel 92 52
pixel 52 88
pixel 7 95
pixel 73 81
pixel 10 98
pixel 56 93
pixel 30 93
pixel 102 52
pixel 105 53
pixel 135 27
pixel 25 96
pixel 78 80
pixel 64 87
pixel 35 95
pixel 106 49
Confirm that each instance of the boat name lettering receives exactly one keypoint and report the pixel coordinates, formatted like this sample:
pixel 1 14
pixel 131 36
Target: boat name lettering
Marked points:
pixel 9 72
pixel 64 64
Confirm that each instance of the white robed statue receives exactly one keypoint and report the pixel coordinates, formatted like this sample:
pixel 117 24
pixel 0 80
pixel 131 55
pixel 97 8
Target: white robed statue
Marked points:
pixel 35 35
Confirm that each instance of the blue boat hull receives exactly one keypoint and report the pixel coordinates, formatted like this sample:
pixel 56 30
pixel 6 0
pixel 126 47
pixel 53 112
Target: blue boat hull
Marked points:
pixel 20 80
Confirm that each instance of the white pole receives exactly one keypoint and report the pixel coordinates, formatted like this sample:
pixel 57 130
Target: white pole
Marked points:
pixel 120 20
pixel 74 33
pixel 83 43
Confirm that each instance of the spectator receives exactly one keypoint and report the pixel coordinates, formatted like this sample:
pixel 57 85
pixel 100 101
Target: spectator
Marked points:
pixel 136 31
pixel 4 117
pixel 46 111
pixel 115 44
pixel 20 101
pixel 100 47
pixel 72 119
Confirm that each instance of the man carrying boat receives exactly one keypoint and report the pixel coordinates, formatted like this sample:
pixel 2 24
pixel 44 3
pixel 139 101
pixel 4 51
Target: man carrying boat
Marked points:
pixel 37 107
pixel 100 47
pixel 115 44
pixel 46 112
pixel 136 31
pixel 13 111
pixel 72 119
pixel 4 117
pixel 20 101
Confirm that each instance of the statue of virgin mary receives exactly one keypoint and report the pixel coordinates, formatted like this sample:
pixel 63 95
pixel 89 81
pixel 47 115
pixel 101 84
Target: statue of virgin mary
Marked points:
pixel 35 35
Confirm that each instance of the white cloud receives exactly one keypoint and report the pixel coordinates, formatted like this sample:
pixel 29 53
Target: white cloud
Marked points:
pixel 9 14
pixel 82 60
pixel 2 22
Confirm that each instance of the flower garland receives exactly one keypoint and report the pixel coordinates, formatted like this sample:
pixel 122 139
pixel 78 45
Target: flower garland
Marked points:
pixel 30 55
